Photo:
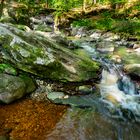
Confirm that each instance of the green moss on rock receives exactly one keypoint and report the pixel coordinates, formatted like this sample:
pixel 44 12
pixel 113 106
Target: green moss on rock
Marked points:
pixel 6 68
pixel 44 57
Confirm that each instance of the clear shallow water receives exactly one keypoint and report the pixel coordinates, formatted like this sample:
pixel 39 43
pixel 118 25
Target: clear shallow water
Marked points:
pixel 87 124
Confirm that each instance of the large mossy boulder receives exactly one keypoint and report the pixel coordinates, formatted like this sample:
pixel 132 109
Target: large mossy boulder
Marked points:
pixel 43 57
pixel 13 87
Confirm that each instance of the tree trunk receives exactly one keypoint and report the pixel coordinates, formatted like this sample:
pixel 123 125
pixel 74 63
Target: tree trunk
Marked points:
pixel 84 5
pixel 56 23
pixel 94 1
pixel 47 4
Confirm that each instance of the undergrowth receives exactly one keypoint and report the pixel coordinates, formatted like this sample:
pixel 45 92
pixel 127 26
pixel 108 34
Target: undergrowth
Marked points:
pixel 106 21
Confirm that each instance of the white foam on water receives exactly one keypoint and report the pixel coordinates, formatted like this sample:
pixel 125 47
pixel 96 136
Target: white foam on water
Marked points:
pixel 111 93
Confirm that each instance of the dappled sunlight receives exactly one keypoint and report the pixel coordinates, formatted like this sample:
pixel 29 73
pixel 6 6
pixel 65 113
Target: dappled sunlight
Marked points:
pixel 70 70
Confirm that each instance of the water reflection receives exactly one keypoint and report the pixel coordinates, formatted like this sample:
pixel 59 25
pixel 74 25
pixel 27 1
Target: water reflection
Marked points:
pixel 87 124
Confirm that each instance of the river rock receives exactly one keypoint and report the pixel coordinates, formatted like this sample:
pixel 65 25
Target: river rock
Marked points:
pixel 74 31
pixel 54 95
pixel 135 46
pixel 105 46
pixel 13 87
pixel 96 35
pixel 42 20
pixel 36 20
pixel 44 57
pixel 133 69
pixel 77 101
pixel 79 31
pixel 116 58
pixel 137 51
pixel 42 23
pixel 49 19
pixel 85 89
pixel 110 37
pixel 61 40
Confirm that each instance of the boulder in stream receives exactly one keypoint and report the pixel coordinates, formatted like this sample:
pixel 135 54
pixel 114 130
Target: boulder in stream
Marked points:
pixel 105 47
pixel 133 69
pixel 13 87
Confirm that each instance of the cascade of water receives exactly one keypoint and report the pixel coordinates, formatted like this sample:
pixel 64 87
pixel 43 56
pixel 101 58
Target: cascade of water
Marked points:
pixel 127 86
pixel 119 91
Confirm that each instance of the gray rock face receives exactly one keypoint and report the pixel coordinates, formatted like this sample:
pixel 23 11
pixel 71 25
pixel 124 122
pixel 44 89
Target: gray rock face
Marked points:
pixel 136 46
pixel 44 57
pixel 105 46
pixel 78 101
pixel 79 32
pixel 42 23
pixel 137 51
pixel 96 35
pixel 13 87
pixel 110 37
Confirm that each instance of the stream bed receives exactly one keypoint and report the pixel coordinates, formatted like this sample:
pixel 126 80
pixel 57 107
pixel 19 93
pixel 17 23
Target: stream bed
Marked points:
pixel 110 111
pixel 88 124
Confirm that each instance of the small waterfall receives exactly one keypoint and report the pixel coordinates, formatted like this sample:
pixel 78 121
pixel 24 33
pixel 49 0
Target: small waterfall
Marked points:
pixel 119 92
pixel 124 83
pixel 127 86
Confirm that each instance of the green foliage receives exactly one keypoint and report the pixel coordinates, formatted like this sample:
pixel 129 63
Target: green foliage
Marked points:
pixel 137 6
pixel 82 22
pixel 20 14
pixel 65 5
pixel 61 5
pixel 117 1
pixel 128 26
pixel 104 23
pixel 133 10
pixel 117 21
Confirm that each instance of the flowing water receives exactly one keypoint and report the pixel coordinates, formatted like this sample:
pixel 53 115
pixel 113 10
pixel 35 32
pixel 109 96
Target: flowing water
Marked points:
pixel 115 115
pixel 88 124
